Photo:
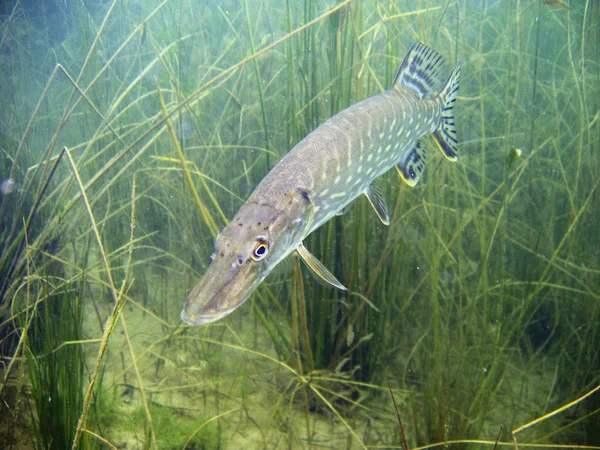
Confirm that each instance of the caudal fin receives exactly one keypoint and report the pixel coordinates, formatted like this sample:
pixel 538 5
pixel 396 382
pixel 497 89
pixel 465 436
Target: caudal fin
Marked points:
pixel 445 135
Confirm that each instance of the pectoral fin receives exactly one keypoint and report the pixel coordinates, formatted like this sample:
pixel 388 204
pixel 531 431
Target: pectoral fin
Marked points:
pixel 318 268
pixel 378 203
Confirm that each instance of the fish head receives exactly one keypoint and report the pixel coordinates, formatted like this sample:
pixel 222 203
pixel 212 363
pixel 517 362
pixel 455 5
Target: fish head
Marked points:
pixel 246 250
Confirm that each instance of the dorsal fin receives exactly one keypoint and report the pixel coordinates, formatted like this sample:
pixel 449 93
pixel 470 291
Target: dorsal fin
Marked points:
pixel 421 71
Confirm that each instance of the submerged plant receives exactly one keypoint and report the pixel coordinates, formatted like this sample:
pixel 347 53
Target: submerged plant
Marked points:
pixel 56 369
pixel 479 303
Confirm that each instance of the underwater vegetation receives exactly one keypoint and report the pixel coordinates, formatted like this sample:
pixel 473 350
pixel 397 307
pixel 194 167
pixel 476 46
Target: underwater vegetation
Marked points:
pixel 132 133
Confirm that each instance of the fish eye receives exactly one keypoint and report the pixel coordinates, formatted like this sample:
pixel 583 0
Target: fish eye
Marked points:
pixel 260 250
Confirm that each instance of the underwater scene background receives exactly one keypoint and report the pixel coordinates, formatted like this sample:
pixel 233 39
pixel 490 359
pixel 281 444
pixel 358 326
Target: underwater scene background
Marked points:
pixel 130 133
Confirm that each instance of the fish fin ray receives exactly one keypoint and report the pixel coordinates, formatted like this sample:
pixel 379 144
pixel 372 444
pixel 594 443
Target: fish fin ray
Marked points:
pixel 445 134
pixel 412 164
pixel 318 268
pixel 377 201
pixel 421 71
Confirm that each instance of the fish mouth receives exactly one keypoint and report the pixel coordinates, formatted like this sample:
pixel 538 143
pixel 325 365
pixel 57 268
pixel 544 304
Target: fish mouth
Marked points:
pixel 198 319
pixel 220 291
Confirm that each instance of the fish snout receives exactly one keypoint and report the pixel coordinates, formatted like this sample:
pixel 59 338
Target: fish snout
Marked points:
pixel 197 318
pixel 202 304
pixel 223 288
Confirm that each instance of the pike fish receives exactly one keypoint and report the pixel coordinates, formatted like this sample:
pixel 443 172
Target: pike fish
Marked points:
pixel 322 174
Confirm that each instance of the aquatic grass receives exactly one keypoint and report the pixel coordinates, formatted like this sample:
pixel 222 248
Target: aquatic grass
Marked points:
pixel 114 317
pixel 201 208
pixel 500 255
pixel 56 370
pixel 316 383
pixel 259 82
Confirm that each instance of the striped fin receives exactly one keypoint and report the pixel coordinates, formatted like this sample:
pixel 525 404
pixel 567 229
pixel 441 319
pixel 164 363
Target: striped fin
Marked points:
pixel 318 268
pixel 421 71
pixel 378 203
pixel 445 135
pixel 412 164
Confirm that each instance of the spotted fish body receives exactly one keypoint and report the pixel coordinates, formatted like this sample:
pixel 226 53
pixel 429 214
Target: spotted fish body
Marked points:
pixel 322 174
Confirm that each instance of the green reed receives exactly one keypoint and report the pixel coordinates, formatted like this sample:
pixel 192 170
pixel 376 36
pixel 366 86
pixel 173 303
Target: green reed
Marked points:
pixel 56 369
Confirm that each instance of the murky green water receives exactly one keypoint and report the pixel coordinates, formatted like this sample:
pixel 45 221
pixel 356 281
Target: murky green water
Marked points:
pixel 479 305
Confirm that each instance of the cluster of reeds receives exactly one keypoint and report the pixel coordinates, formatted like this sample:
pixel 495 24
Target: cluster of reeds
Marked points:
pixel 154 122
pixel 56 368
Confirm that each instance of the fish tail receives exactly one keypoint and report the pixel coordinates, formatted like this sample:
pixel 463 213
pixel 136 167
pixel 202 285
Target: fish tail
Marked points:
pixel 445 134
